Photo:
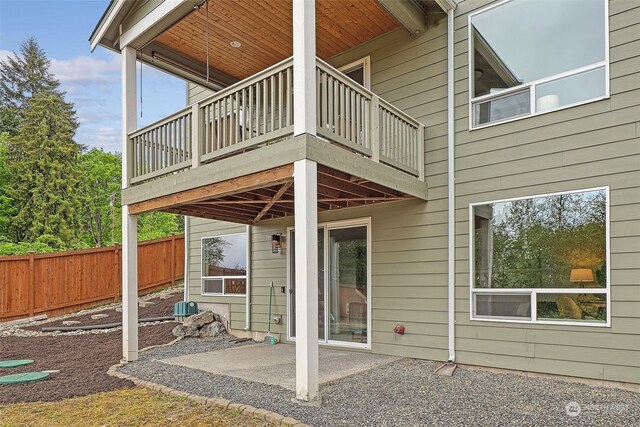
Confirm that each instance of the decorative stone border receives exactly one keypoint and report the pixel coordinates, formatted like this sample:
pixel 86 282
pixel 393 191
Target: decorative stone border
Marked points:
pixel 217 402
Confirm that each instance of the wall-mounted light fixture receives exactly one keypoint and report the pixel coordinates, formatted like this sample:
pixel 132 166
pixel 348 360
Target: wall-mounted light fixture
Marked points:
pixel 276 243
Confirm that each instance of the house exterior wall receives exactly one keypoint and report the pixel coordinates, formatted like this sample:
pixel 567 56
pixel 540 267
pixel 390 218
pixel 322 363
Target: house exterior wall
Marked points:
pixel 409 276
pixel 593 145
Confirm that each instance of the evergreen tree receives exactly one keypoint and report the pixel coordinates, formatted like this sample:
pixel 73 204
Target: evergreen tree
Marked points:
pixel 43 161
pixel 7 204
pixel 21 77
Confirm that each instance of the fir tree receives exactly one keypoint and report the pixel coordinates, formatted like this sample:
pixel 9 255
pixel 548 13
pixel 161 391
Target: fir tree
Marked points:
pixel 45 172
pixel 21 77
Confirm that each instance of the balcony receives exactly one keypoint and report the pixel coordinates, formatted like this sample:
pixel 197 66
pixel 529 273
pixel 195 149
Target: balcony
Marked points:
pixel 257 112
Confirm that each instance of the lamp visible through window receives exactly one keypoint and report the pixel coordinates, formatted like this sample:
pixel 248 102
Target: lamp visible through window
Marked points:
pixel 581 275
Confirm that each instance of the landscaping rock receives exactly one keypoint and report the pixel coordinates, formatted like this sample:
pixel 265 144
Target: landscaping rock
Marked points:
pixel 71 322
pixel 185 331
pixel 200 319
pixel 143 304
pixel 99 316
pixel 212 330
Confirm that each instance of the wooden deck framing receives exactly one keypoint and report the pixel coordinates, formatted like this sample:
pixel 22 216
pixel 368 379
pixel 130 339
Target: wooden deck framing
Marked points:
pixel 268 194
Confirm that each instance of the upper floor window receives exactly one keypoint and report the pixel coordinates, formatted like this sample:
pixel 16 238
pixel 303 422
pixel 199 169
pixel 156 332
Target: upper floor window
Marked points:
pixel 529 57
pixel 224 265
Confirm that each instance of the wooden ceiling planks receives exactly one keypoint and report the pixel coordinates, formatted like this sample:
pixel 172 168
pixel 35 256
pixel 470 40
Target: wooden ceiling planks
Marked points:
pixel 264 30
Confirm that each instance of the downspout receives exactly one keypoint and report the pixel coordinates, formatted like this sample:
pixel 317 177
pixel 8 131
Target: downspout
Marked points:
pixel 247 308
pixel 186 257
pixel 451 237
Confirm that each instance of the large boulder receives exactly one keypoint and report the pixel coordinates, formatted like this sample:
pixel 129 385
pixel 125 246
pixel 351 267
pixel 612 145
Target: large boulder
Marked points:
pixel 212 330
pixel 185 331
pixel 200 319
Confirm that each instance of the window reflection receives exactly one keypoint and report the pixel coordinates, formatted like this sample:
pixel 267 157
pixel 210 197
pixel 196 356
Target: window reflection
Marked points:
pixel 538 242
pixel 523 41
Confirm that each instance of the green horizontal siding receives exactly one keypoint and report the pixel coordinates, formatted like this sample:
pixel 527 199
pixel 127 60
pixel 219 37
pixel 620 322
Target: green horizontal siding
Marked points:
pixel 596 144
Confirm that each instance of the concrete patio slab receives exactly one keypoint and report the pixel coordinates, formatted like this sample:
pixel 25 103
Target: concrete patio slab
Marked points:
pixel 275 364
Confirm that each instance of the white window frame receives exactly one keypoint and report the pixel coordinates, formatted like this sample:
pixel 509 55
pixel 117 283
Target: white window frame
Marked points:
pixel 327 226
pixel 365 63
pixel 246 276
pixel 531 86
pixel 534 291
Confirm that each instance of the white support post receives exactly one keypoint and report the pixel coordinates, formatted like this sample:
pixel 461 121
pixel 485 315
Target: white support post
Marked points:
pixel 306 278
pixel 304 66
pixel 129 222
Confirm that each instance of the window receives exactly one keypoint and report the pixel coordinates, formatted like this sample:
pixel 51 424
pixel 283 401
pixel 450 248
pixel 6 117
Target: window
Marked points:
pixel 541 259
pixel 359 71
pixel 224 265
pixel 529 57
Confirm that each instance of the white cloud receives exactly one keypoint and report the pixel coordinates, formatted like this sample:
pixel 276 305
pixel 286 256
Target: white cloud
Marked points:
pixel 4 54
pixel 86 69
pixel 107 138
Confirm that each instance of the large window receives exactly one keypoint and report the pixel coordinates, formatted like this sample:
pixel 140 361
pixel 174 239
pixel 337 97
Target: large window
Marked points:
pixel 541 259
pixel 529 57
pixel 224 265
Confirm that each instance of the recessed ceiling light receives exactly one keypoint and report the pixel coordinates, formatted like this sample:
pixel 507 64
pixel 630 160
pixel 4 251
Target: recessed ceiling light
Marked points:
pixel 235 43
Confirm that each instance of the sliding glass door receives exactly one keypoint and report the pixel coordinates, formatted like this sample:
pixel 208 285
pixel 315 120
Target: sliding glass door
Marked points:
pixel 343 284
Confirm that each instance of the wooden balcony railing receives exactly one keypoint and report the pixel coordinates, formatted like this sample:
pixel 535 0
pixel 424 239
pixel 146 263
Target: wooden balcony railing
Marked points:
pixel 259 110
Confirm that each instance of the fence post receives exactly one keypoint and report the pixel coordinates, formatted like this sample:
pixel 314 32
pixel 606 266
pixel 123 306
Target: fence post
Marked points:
pixel 173 259
pixel 116 273
pixel 32 283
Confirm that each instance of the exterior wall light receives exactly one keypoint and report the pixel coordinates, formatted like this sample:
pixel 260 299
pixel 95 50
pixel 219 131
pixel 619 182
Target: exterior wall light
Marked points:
pixel 276 243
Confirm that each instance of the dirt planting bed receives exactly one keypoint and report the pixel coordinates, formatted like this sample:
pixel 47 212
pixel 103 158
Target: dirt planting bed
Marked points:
pixel 83 360
pixel 158 307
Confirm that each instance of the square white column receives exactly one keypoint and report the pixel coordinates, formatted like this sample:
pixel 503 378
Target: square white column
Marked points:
pixel 306 278
pixel 304 66
pixel 129 222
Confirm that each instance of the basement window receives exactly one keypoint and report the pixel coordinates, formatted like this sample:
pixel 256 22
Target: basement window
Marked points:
pixel 224 265
pixel 529 57
pixel 541 259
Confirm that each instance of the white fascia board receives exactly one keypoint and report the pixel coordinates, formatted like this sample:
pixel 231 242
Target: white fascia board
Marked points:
pixel 146 23
pixel 106 24
pixel 408 13
pixel 447 5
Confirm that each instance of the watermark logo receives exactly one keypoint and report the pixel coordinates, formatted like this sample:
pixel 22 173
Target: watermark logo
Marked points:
pixel 573 409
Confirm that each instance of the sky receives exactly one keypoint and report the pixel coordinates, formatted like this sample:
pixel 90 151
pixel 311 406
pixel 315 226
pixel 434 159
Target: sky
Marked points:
pixel 91 80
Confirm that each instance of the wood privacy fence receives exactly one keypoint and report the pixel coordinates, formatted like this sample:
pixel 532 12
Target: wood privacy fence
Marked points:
pixel 62 282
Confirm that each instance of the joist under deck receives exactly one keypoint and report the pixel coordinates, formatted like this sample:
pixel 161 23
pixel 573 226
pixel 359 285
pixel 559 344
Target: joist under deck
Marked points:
pixel 268 194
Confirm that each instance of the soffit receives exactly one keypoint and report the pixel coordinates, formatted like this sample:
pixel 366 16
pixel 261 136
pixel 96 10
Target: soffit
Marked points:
pixel 264 28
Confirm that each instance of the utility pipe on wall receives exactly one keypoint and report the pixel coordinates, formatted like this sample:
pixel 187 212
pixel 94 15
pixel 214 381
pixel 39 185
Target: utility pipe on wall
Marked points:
pixel 451 235
pixel 186 257
pixel 247 298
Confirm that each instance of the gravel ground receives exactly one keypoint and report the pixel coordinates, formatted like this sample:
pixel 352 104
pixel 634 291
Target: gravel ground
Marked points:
pixel 407 393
